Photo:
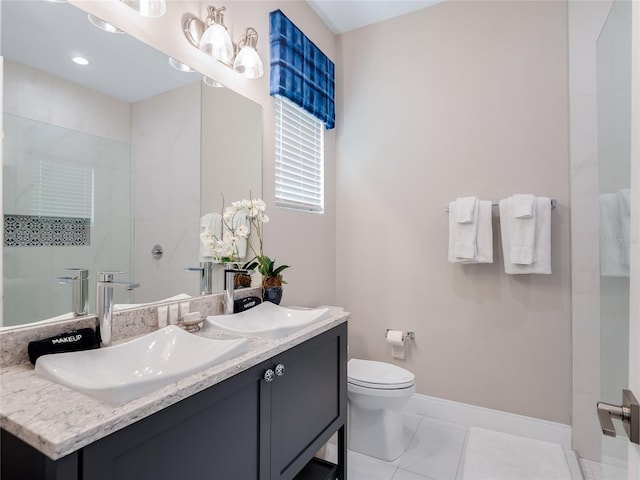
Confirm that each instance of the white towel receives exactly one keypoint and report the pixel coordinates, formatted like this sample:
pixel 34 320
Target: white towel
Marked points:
pixel 624 202
pixel 213 222
pixel 614 240
pixel 523 229
pixel 542 240
pixel 466 209
pixel 241 219
pixel 465 234
pixel 484 236
pixel 523 205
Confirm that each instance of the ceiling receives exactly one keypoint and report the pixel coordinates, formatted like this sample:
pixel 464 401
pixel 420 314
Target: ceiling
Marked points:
pixel 125 68
pixel 45 35
pixel 344 15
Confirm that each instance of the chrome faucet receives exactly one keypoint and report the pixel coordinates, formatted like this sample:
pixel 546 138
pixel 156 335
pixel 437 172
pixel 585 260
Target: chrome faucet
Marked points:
pixel 229 272
pixel 79 281
pixel 104 299
pixel 206 277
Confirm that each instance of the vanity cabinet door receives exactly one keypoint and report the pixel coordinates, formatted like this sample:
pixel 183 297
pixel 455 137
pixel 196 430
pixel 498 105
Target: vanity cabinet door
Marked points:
pixel 215 434
pixel 308 401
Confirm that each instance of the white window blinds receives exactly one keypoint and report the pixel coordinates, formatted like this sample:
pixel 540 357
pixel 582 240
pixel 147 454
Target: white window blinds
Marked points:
pixel 61 189
pixel 299 158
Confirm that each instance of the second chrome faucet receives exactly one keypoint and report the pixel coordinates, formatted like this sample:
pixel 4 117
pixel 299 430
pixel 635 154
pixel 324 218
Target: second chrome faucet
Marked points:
pixel 104 303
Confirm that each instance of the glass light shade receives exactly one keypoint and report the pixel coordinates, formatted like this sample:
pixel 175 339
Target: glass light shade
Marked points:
pixel 216 42
pixel 148 8
pixel 179 65
pixel 248 63
pixel 210 82
pixel 102 25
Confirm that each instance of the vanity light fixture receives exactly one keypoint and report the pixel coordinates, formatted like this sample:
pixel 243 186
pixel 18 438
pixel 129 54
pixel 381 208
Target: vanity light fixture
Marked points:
pixel 215 41
pixel 248 62
pixel 102 25
pixel 147 8
pixel 213 38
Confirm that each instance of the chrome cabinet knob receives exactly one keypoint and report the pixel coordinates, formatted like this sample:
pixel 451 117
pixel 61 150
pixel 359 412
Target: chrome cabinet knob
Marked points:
pixel 279 369
pixel 269 375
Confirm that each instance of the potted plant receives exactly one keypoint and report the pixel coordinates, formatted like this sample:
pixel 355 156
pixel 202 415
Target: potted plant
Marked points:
pixel 271 279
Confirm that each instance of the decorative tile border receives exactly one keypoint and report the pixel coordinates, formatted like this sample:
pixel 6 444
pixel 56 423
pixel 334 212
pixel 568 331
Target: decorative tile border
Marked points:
pixel 34 231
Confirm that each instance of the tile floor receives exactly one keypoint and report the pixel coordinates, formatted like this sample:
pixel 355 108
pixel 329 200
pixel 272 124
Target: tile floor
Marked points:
pixel 434 451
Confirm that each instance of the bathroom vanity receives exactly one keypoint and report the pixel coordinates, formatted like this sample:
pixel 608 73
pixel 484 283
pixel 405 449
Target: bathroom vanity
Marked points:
pixel 264 416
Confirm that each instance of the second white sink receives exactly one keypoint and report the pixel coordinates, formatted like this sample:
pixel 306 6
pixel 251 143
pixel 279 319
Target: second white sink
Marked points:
pixel 268 320
pixel 130 370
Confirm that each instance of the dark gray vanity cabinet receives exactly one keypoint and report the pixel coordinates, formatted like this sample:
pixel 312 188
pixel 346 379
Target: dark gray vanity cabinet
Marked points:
pixel 308 403
pixel 215 434
pixel 265 423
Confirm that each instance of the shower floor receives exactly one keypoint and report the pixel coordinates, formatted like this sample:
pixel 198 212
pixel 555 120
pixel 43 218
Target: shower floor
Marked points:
pixel 440 450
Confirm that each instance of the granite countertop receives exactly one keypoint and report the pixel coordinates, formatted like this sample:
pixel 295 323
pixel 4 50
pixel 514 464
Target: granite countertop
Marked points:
pixel 57 420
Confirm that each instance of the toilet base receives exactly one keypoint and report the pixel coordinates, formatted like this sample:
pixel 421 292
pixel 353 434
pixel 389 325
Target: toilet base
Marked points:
pixel 377 433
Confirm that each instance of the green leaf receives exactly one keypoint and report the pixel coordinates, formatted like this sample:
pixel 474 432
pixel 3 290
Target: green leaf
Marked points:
pixel 277 271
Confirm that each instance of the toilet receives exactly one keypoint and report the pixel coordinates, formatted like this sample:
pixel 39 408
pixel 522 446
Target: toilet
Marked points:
pixel 377 392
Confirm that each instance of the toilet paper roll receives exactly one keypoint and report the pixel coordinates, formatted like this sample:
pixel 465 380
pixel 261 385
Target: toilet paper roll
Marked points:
pixel 394 338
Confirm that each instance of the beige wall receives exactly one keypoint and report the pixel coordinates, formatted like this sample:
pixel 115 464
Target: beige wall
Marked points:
pixel 303 240
pixel 462 98
pixel 480 108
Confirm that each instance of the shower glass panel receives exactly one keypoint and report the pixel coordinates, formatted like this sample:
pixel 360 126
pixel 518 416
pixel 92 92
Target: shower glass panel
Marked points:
pixel 613 50
pixel 67 200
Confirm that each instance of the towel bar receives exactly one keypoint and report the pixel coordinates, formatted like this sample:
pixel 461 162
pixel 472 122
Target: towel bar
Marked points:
pixel 554 202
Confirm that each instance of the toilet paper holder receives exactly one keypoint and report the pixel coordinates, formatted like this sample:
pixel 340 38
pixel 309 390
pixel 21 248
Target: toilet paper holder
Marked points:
pixel 405 336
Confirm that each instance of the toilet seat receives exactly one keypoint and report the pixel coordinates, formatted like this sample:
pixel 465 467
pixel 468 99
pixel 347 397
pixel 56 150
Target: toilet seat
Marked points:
pixel 378 375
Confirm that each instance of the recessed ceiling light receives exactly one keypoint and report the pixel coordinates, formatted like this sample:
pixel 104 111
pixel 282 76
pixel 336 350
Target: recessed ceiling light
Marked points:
pixel 80 61
pixel 102 25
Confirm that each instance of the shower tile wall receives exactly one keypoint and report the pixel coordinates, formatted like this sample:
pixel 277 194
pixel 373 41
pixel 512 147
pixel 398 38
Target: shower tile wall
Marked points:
pixel 165 134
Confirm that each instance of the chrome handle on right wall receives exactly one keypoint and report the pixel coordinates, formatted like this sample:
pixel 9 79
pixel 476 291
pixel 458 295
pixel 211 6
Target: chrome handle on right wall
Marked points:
pixel 628 413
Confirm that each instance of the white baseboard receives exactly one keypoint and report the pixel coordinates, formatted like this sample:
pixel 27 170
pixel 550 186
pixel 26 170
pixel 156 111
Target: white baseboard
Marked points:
pixel 473 416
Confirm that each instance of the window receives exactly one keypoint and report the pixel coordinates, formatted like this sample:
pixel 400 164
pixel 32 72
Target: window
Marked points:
pixel 299 158
pixel 62 189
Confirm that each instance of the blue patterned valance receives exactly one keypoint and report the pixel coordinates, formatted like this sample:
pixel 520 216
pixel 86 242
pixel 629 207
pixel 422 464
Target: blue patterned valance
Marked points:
pixel 300 71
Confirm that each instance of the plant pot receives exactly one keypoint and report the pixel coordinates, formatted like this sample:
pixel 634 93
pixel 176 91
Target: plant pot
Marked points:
pixel 272 294
pixel 241 280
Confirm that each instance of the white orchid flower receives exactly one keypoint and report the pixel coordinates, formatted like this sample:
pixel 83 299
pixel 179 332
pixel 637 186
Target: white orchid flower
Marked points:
pixel 242 231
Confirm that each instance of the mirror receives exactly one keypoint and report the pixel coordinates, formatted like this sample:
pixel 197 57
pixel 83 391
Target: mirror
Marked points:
pixel 102 163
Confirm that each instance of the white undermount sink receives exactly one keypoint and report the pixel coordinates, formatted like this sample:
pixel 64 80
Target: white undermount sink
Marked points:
pixel 268 320
pixel 130 370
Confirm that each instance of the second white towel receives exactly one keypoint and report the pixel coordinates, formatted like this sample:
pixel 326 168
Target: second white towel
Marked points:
pixel 483 242
pixel 540 251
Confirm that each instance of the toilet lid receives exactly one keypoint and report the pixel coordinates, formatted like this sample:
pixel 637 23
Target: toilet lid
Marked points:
pixel 372 374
